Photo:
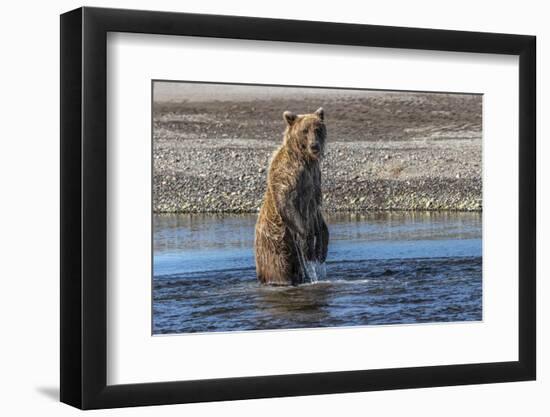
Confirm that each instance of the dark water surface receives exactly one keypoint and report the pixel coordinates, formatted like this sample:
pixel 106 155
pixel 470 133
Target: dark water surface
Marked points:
pixel 382 268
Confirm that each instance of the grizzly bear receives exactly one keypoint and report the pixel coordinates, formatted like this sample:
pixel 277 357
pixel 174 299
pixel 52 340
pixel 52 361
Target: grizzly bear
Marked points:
pixel 291 235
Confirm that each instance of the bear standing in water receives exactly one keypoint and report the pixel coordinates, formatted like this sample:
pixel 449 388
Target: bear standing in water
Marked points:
pixel 291 235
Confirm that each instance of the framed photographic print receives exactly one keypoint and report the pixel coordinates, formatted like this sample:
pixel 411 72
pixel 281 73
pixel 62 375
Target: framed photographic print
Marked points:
pixel 256 208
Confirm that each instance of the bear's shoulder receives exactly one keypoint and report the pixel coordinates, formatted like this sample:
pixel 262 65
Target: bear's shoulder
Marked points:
pixel 283 159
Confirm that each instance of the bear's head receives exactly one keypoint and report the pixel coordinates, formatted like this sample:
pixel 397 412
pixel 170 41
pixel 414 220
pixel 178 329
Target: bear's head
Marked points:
pixel 306 133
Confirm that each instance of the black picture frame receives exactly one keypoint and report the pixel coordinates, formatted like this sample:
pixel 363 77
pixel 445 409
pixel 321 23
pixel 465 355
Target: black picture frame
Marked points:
pixel 84 207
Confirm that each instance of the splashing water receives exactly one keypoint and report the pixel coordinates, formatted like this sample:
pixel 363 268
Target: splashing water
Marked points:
pixel 311 271
pixel 316 271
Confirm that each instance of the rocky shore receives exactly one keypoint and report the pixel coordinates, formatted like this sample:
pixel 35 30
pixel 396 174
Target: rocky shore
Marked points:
pixel 397 151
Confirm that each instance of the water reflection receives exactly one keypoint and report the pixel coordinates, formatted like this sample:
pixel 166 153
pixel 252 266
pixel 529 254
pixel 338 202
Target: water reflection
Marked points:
pixel 308 303
pixel 206 231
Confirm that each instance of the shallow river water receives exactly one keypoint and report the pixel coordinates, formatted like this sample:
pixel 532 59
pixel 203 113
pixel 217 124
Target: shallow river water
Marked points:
pixel 382 268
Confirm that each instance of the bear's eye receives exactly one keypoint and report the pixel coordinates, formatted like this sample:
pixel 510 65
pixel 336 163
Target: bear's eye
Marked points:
pixel 305 131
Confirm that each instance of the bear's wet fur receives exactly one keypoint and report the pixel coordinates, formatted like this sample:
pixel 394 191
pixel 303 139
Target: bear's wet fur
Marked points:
pixel 291 234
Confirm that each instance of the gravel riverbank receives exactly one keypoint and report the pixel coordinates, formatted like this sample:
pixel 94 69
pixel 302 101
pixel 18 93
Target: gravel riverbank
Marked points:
pixel 385 151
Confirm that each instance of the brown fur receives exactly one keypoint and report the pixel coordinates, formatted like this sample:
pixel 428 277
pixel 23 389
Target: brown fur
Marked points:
pixel 290 227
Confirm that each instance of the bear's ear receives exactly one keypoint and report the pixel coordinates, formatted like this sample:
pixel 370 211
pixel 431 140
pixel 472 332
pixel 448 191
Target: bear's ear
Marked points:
pixel 320 113
pixel 289 117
